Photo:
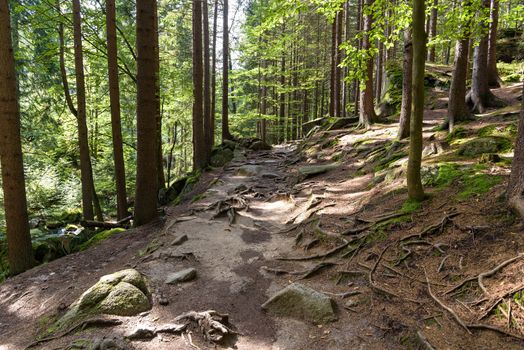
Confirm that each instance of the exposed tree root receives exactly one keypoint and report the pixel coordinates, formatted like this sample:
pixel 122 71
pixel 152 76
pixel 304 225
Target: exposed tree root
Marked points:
pixel 303 274
pixel 92 322
pixel 424 341
pixel 317 256
pixel 433 228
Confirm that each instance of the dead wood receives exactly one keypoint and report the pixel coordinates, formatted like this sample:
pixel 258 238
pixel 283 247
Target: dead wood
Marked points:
pixel 92 322
pixel 214 326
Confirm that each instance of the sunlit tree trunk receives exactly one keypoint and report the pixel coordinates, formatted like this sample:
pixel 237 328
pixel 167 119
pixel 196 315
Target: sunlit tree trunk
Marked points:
pixel 367 109
pixel 86 171
pixel 457 108
pixel 208 134
pixel 114 98
pixel 158 106
pixel 493 74
pixel 146 109
pixel 213 73
pixel 199 146
pixel 19 249
pixel 415 190
pixel 433 30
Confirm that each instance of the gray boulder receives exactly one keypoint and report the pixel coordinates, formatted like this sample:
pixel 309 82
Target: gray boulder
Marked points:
pixel 312 170
pixel 300 302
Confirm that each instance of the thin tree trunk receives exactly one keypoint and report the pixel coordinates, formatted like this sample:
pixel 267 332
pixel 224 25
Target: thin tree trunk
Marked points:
pixel 114 98
pixel 86 171
pixel 457 107
pixel 199 146
pixel 480 97
pixel 493 74
pixel 333 76
pixel 415 189
pixel 208 134
pixel 433 30
pixel 367 110
pixel 159 154
pixel 407 78
pixel 19 249
pixel 226 135
pixel 338 68
pixel 515 192
pixel 146 108
pixel 214 75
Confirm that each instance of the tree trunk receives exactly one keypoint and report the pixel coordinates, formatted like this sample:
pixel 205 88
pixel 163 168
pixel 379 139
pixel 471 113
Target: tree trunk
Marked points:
pixel 214 74
pixel 493 74
pixel 338 68
pixel 199 144
pixel 146 108
pixel 407 78
pixel 457 108
pixel 367 110
pixel 159 155
pixel 515 192
pixel 333 76
pixel 19 249
pixel 208 134
pixel 226 135
pixel 433 30
pixel 415 190
pixel 114 98
pixel 86 171
pixel 480 97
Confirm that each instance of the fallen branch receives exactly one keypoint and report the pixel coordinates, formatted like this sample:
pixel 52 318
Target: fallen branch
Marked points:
pixel 448 309
pixel 495 329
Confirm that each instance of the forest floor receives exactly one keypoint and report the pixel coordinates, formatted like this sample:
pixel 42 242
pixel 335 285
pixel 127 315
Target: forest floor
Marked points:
pixel 401 261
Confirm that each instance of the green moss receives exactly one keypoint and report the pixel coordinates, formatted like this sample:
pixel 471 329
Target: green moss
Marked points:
pixel 99 237
pixel 411 206
pixel 478 184
pixel 387 161
pixel 198 197
pixel 457 133
pixel 509 131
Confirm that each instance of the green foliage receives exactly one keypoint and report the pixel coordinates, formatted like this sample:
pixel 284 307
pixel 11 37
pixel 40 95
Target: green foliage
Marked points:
pixel 411 206
pixel 509 131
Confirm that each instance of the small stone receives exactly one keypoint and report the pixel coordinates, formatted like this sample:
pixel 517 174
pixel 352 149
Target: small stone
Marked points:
pixel 179 240
pixel 351 303
pixel 182 276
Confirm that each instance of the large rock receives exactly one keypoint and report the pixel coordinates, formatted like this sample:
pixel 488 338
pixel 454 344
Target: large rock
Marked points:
pixel 481 145
pixel 301 302
pixel 249 170
pixel 123 293
pixel 260 145
pixel 221 156
pixel 182 276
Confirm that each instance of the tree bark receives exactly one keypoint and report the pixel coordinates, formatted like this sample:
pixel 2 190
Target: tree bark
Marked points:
pixel 214 74
pixel 493 74
pixel 86 172
pixel 147 148
pixel 407 78
pixel 114 98
pixel 338 68
pixel 159 155
pixel 199 145
pixel 367 114
pixel 457 108
pixel 226 135
pixel 19 249
pixel 480 97
pixel 415 190
pixel 208 134
pixel 515 192
pixel 333 76
pixel 433 30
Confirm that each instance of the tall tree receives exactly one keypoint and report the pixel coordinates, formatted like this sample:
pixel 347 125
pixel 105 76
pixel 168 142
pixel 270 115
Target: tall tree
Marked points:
pixel 214 73
pixel 114 98
pixel 208 132
pixel 367 114
pixel 515 192
pixel 159 154
pixel 407 77
pixel 415 189
pixel 493 74
pixel 480 97
pixel 226 135
pixel 433 29
pixel 146 109
pixel 19 249
pixel 199 142
pixel 86 171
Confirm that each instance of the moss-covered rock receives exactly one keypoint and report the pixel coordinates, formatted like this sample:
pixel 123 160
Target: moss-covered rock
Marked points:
pixel 99 237
pixel 312 170
pixel 221 156
pixel 481 145
pixel 123 293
